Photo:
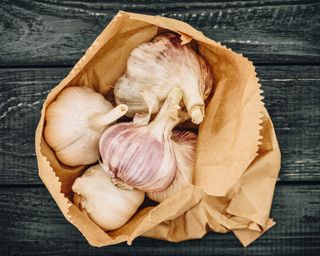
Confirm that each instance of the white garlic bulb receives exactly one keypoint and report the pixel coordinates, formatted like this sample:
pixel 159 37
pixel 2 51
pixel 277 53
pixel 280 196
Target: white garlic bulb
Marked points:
pixel 184 146
pixel 110 207
pixel 142 156
pixel 157 67
pixel 75 122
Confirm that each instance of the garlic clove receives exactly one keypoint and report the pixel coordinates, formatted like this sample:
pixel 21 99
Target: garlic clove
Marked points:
pixel 158 66
pixel 184 145
pixel 108 206
pixel 141 156
pixel 75 122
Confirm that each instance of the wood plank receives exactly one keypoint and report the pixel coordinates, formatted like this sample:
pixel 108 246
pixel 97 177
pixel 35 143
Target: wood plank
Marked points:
pixel 22 94
pixel 292 96
pixel 31 224
pixel 48 32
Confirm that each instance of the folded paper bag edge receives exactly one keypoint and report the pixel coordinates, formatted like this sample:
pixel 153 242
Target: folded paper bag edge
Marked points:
pixel 252 101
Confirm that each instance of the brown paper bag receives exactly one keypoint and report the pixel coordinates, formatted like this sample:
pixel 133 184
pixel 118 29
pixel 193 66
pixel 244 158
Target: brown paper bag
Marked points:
pixel 237 159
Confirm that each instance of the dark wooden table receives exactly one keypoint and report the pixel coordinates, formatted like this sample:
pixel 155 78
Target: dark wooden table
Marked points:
pixel 41 40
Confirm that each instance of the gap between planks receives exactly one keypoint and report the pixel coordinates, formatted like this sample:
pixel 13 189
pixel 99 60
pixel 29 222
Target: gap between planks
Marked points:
pixel 279 182
pixel 260 64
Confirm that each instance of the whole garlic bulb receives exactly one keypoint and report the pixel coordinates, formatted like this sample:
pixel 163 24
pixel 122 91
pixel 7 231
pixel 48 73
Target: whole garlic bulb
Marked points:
pixel 157 67
pixel 110 207
pixel 184 146
pixel 142 156
pixel 75 122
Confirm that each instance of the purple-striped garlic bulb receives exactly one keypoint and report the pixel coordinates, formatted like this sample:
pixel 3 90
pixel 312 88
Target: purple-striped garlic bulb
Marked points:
pixel 141 156
pixel 157 67
pixel 184 147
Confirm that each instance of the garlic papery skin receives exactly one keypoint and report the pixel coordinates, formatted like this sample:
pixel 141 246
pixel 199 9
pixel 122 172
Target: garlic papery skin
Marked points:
pixel 75 122
pixel 184 147
pixel 157 67
pixel 141 156
pixel 110 207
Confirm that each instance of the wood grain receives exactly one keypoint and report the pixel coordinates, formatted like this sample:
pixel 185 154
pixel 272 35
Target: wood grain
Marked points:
pixel 31 224
pixel 47 32
pixel 292 96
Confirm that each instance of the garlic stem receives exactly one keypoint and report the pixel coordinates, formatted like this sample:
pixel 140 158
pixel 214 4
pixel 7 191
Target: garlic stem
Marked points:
pixel 197 114
pixel 103 119
pixel 167 117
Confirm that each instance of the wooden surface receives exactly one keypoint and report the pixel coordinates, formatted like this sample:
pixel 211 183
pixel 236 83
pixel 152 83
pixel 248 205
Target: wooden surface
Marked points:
pixel 58 32
pixel 33 225
pixel 41 40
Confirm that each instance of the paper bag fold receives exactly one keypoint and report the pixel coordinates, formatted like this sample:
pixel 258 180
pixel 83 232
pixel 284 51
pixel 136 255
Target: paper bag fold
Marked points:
pixel 237 158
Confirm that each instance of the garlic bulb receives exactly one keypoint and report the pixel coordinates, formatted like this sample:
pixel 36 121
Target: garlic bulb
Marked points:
pixel 75 122
pixel 108 206
pixel 184 146
pixel 141 156
pixel 157 67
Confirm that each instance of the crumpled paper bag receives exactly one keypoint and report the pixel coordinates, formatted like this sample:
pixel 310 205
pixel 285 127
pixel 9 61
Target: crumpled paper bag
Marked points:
pixel 237 157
